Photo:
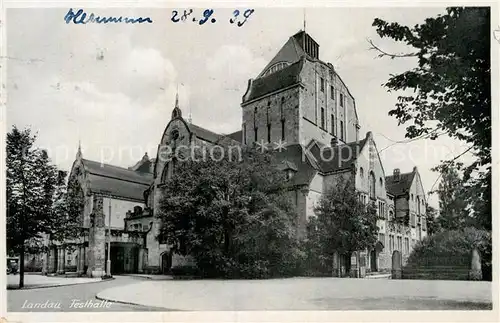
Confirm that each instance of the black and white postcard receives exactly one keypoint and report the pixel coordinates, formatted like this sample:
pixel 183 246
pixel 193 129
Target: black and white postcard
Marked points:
pixel 249 161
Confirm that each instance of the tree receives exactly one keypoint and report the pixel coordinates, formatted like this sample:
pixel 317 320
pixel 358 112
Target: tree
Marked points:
pixel 453 207
pixel 343 223
pixel 31 188
pixel 430 218
pixel 449 91
pixel 67 206
pixel 233 217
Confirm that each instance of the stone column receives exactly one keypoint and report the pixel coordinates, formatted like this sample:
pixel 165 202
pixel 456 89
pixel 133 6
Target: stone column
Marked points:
pixel 58 259
pixel 61 260
pixel 52 260
pixel 78 256
pixel 45 262
pixel 475 272
pixel 85 258
pixel 302 213
pixel 81 260
pixel 97 240
pixel 335 265
pixel 140 266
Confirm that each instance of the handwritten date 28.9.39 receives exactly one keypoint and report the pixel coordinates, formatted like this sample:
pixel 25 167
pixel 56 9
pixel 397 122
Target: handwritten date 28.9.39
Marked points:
pixel 238 17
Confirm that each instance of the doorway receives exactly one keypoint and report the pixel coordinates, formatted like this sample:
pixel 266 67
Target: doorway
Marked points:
pixel 124 258
pixel 373 261
pixel 166 262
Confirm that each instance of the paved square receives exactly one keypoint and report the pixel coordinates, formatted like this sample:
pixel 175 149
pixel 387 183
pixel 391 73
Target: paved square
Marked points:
pixel 304 294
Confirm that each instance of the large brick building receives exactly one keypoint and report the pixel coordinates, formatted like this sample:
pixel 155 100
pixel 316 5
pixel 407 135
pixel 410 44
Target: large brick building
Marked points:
pixel 298 101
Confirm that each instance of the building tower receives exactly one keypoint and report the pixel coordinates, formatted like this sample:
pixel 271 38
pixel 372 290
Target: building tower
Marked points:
pixel 297 98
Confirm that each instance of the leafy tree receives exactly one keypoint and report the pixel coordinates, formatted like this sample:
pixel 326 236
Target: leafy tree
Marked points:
pixel 433 225
pixel 452 248
pixel 32 187
pixel 233 217
pixel 453 207
pixel 66 211
pixel 449 91
pixel 343 223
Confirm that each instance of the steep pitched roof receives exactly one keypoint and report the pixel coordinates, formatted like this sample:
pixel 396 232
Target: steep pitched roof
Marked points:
pixel 236 135
pixel 400 186
pixel 290 53
pixel 283 78
pixel 143 165
pixel 339 157
pixel 204 134
pixel 117 181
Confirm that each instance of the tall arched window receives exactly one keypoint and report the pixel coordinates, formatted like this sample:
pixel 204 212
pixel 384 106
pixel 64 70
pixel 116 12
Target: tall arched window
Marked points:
pixel 418 205
pixel 282 115
pixel 255 124
pixel 268 117
pixel 372 185
pixel 168 171
pixel 164 174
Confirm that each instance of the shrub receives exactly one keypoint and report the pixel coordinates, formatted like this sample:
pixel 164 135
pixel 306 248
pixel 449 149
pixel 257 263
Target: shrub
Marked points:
pixel 452 249
pixel 185 270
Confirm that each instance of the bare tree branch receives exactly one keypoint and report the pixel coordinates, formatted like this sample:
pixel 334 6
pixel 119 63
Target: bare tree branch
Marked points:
pixel 384 53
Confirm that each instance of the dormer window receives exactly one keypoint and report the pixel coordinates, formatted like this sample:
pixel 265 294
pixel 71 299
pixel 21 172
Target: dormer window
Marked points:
pixel 289 168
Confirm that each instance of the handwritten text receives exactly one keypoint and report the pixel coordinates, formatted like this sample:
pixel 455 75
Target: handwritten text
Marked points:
pixel 81 17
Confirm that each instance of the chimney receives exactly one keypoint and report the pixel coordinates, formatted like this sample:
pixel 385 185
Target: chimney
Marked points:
pixel 396 173
pixel 333 142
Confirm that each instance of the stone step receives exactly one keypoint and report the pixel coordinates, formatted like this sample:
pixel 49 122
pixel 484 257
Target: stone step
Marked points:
pixel 376 275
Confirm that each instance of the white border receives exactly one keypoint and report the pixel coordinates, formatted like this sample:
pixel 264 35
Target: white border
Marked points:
pixel 254 316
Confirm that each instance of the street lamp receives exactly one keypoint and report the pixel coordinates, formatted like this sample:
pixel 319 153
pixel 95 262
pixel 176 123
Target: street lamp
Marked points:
pixel 108 263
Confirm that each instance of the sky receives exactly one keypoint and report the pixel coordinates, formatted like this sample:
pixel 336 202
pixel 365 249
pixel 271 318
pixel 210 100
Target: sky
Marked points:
pixel 112 87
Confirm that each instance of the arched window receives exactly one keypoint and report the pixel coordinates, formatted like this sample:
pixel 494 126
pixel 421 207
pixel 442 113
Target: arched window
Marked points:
pixel 381 182
pixel 282 114
pixel 168 171
pixel 255 124
pixel 418 205
pixel 164 174
pixel 372 185
pixel 391 215
pixel 361 172
pixel 282 104
pixel 267 112
pixel 268 117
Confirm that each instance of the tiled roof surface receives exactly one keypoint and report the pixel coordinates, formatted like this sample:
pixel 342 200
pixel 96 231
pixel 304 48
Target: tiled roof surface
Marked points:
pixel 118 181
pixel 283 78
pixel 401 186
pixel 290 52
pixel 236 135
pixel 343 156
pixel 204 134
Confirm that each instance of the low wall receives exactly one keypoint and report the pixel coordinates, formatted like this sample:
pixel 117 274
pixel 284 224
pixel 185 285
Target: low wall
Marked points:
pixel 437 273
pixel 444 267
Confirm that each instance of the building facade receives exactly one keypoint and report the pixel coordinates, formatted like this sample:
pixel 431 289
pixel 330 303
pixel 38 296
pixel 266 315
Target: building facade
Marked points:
pixel 298 101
